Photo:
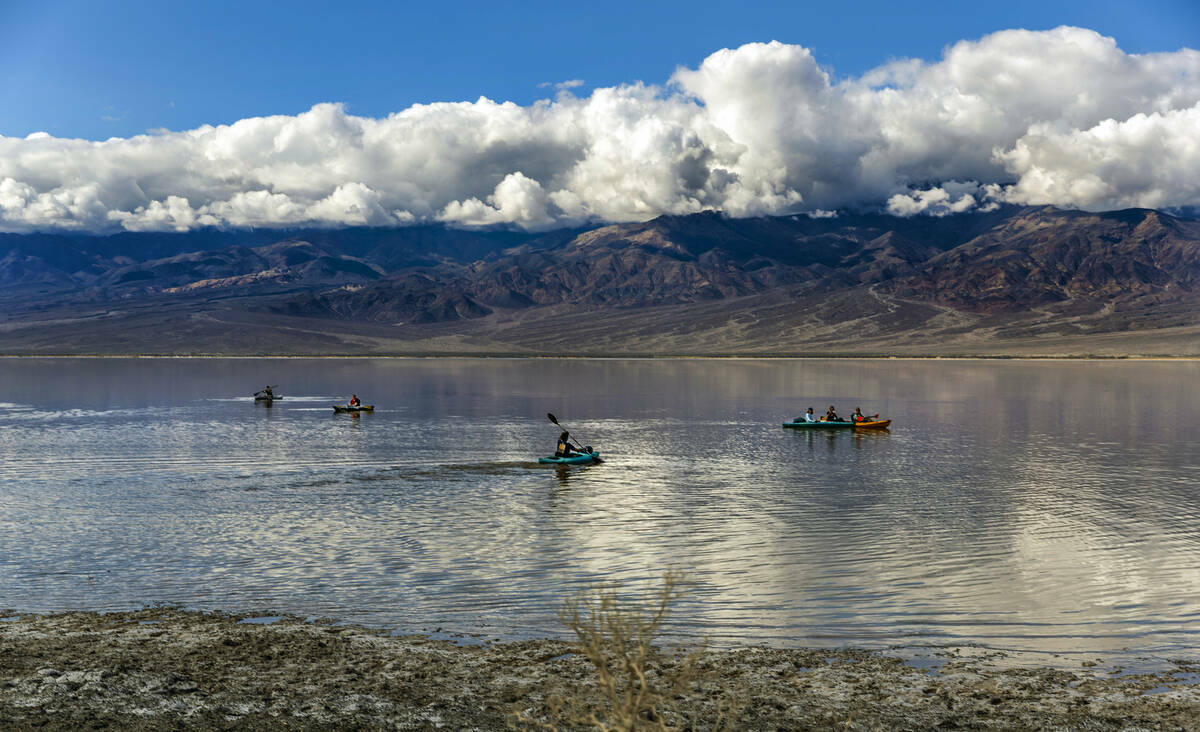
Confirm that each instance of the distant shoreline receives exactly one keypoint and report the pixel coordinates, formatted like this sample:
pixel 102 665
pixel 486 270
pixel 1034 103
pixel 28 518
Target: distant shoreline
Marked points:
pixel 565 357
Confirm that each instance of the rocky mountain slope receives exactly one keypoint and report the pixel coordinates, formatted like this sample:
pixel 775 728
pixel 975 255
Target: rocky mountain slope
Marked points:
pixel 1013 281
pixel 1079 260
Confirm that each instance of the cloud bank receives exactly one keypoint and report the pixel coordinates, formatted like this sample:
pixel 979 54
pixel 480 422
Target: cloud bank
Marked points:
pixel 1060 117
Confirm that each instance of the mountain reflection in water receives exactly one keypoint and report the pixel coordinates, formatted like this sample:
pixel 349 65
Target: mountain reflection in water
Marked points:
pixel 1048 506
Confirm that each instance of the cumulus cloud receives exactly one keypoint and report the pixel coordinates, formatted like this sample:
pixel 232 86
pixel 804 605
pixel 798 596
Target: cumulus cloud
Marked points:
pixel 1149 160
pixel 517 200
pixel 173 215
pixel 1061 117
pixel 949 198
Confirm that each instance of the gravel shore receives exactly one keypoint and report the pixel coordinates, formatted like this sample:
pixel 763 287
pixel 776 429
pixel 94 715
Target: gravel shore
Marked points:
pixel 172 669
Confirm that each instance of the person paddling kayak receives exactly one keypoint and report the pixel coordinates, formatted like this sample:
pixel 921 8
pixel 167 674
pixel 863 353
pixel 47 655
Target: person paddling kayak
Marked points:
pixel 567 452
pixel 564 448
pixel 858 416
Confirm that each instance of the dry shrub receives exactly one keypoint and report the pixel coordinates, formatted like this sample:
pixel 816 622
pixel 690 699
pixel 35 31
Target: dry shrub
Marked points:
pixel 639 687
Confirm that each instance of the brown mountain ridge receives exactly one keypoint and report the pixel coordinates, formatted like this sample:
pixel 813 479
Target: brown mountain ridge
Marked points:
pixel 1017 281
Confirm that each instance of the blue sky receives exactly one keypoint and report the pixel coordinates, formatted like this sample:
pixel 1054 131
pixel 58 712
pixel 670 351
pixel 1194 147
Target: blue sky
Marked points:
pixel 171 116
pixel 79 68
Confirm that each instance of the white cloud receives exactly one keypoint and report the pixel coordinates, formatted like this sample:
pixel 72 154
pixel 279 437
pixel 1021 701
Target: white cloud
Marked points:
pixel 352 204
pixel 562 85
pixel 1149 160
pixel 257 208
pixel 949 198
pixel 174 215
pixel 70 208
pixel 517 200
pixel 1061 116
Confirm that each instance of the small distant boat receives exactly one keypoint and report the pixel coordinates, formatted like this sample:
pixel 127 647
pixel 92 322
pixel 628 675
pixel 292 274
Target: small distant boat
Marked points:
pixel 353 410
pixel 265 398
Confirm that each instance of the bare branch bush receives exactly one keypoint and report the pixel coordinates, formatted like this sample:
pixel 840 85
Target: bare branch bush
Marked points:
pixel 637 686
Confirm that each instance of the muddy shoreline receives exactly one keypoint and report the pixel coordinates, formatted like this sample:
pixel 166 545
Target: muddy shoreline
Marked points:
pixel 165 668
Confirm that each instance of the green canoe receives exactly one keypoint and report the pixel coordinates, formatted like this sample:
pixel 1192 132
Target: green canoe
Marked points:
pixel 818 425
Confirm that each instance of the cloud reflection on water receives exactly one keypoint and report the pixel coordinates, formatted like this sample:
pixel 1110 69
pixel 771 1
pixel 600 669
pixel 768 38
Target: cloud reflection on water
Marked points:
pixel 1043 505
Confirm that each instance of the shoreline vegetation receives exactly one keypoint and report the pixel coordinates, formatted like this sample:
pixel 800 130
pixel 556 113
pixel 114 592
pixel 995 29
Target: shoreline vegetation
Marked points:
pixel 168 668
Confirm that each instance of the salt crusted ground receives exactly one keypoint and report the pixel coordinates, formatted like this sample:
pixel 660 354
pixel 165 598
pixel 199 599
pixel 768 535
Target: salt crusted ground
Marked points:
pixel 171 669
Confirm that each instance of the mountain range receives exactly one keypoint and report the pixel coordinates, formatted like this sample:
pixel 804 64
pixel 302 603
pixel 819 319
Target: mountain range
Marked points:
pixel 1014 281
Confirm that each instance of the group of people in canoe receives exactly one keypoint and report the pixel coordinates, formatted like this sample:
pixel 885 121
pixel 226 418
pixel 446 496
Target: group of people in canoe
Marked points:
pixel 832 416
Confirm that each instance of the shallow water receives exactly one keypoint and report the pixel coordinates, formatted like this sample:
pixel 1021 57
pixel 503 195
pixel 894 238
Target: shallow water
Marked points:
pixel 1028 505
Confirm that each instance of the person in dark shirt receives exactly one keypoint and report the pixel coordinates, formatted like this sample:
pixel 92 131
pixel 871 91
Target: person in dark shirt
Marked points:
pixel 564 448
pixel 858 416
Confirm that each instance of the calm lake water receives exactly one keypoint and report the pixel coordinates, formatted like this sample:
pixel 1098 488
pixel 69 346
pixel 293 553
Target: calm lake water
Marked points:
pixel 1025 505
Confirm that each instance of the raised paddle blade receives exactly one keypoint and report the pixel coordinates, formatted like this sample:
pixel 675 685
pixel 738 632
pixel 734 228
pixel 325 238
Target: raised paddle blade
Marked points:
pixel 550 417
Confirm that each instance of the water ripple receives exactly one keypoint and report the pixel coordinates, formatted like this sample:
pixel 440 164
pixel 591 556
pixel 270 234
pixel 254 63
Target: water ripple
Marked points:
pixel 1040 527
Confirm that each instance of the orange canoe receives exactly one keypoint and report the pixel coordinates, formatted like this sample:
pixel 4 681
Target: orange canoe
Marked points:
pixel 880 424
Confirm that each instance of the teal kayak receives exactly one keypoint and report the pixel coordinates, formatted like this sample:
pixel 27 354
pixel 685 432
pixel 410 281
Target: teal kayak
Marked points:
pixel 818 425
pixel 579 459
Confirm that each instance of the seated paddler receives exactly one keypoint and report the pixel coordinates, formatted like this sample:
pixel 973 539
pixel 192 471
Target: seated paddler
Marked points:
pixel 564 448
